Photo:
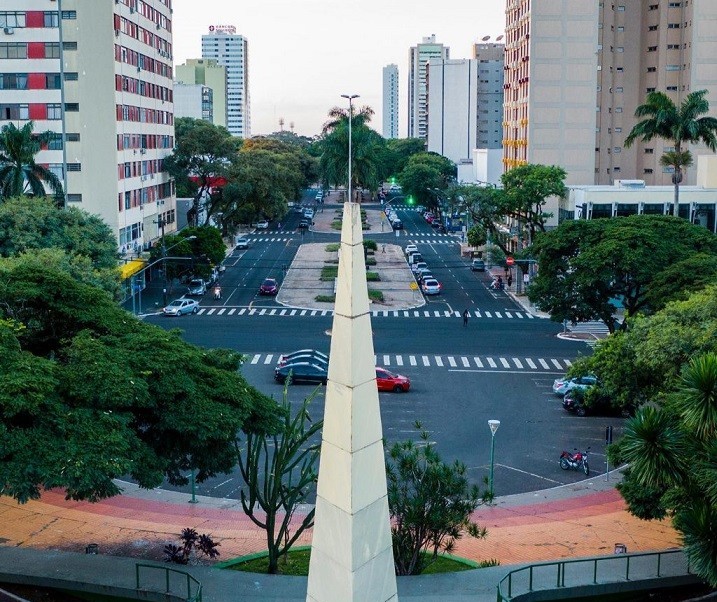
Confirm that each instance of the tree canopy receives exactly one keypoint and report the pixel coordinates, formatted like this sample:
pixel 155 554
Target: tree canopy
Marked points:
pixel 424 174
pixel 588 267
pixel 88 393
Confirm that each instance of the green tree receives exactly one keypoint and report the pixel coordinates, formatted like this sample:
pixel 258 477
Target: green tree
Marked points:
pixel 19 174
pixel 672 452
pixel 205 249
pixel 398 152
pixel 280 472
pixel 430 504
pixel 425 173
pixel 642 364
pixel 89 394
pixel 587 267
pixel 69 238
pixel 203 153
pixel 680 126
pixel 679 280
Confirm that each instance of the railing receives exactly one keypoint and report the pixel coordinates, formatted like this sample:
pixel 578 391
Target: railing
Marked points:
pixel 152 583
pixel 592 571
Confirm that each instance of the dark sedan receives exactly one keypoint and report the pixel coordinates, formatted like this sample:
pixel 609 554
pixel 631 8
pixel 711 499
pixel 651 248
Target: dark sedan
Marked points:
pixel 302 372
pixel 269 287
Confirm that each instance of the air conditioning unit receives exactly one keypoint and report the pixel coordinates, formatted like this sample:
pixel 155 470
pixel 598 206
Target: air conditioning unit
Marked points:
pixel 131 9
pixel 159 26
pixel 142 151
pixel 143 178
pixel 9 30
pixel 117 32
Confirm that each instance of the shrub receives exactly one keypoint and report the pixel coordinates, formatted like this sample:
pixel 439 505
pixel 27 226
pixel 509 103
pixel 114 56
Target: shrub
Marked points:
pixel 332 248
pixel 375 295
pixel 191 542
pixel 325 298
pixel 372 277
pixel 329 272
pixel 372 245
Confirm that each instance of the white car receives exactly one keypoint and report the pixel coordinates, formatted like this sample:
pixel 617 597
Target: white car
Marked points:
pixel 182 306
pixel 431 286
pixel 410 249
pixel 242 243
pixel 262 225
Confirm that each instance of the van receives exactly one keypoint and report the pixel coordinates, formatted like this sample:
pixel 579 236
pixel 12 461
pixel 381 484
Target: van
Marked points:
pixel 414 258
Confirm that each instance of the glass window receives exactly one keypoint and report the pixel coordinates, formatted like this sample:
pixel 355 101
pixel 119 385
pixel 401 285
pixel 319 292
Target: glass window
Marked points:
pixel 51 19
pixel 53 81
pixel 52 50
pixel 13 50
pixel 9 18
pixel 54 111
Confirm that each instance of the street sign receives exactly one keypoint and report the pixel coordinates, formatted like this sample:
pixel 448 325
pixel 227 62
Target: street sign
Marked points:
pixel 509 260
pixel 414 286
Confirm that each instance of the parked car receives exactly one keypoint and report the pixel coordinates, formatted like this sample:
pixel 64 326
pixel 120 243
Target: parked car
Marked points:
pixel 436 224
pixel 574 401
pixel 196 287
pixel 414 258
pixel 182 306
pixel 431 286
pixel 304 223
pixel 418 266
pixel 410 249
pixel 397 224
pixel 388 381
pixel 562 385
pixel 477 265
pixel 312 353
pixel 422 274
pixel 242 243
pixel 308 372
pixel 269 287
pixel 262 225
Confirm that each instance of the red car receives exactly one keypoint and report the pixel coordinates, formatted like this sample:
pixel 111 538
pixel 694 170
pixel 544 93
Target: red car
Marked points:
pixel 269 287
pixel 388 381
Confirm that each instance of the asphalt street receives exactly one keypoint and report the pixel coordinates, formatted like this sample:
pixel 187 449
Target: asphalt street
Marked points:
pixel 501 366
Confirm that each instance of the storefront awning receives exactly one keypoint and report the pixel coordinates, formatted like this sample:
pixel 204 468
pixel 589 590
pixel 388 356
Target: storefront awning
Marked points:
pixel 130 268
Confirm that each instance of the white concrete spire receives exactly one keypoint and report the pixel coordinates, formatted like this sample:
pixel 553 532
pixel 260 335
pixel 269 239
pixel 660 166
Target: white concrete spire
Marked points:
pixel 351 552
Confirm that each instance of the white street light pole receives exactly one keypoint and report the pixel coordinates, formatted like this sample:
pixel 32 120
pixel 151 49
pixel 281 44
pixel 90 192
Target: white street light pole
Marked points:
pixel 351 113
pixel 493 424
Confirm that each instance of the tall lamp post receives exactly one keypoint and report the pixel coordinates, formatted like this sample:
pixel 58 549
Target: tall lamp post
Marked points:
pixel 493 424
pixel 351 113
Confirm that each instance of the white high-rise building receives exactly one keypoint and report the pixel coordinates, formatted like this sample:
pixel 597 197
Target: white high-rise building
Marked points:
pixel 99 76
pixel 230 49
pixel 418 57
pixel 390 101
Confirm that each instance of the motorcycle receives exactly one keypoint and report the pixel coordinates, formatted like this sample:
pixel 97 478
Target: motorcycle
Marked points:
pixel 577 460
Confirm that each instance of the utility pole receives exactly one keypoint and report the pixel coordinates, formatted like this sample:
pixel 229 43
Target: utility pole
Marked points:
pixel 161 223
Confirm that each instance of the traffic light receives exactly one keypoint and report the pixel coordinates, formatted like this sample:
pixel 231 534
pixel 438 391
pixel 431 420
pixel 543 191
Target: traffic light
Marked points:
pixel 410 200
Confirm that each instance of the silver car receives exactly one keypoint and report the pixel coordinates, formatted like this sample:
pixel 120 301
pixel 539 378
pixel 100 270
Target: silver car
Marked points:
pixel 182 306
pixel 562 385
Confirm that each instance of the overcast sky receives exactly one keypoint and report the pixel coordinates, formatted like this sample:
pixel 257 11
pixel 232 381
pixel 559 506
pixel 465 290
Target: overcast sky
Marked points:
pixel 303 54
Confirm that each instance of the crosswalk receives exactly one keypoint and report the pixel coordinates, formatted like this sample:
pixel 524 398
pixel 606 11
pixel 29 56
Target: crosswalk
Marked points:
pixel 592 327
pixel 469 363
pixel 403 313
pixel 423 238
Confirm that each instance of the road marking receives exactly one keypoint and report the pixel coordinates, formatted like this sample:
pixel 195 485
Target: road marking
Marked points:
pixel 399 360
pixel 531 316
pixel 504 362
pixel 255 359
pixel 519 315
pixel 211 311
pixel 508 314
pixel 532 474
pixel 568 363
pixel 293 312
pixel 465 361
pixel 487 314
pixel 478 362
pixel 427 314
pixel 303 312
pixel 252 311
pixel 412 360
pixel 268 358
pixel 531 363
pixel 282 312
pixel 313 313
pixel 386 360
pixel 473 370
pixel 425 360
pixel 242 311
pixel 543 363
pixel 415 313
pixel 405 313
pixel 491 363
pixel 439 361
pixel 437 313
pixel 517 362
pixel 201 311
pixel 221 311
pixel 231 311
pixel 497 315
pixel 477 313
pixel 272 312
pixel 451 362
pixel 556 363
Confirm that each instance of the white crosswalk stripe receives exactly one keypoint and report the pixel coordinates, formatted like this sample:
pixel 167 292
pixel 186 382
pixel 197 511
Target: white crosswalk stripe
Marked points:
pixel 277 312
pixel 458 363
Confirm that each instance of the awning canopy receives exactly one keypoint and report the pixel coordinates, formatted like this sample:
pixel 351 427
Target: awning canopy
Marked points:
pixel 130 268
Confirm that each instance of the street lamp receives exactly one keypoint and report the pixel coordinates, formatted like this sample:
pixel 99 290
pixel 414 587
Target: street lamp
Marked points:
pixel 351 112
pixel 493 424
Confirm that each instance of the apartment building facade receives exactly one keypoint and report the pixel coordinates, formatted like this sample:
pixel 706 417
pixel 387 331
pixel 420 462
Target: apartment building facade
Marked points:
pixel 576 71
pixel 490 60
pixel 418 58
pixel 99 76
pixel 390 101
pixel 193 100
pixel 209 73
pixel 231 50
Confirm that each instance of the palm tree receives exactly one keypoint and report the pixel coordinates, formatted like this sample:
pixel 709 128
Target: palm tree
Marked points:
pixel 338 116
pixel 19 174
pixel 680 125
pixel 672 452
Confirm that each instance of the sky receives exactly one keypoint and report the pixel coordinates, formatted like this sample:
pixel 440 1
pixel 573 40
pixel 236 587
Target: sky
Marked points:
pixel 304 54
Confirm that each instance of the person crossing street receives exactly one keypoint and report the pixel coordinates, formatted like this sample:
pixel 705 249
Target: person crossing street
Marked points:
pixel 465 317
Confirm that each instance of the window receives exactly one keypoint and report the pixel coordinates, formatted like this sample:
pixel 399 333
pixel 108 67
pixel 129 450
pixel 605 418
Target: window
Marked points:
pixel 54 111
pixel 650 90
pixel 52 50
pixel 13 81
pixel 673 47
pixel 52 81
pixel 674 4
pixel 651 69
pixel 71 76
pixel 72 107
pixel 653 7
pixel 72 137
pixel 74 198
pixel 672 88
pixel 13 50
pixel 9 18
pixel 672 67
pixel 618 130
pixel 647 170
pixel 74 167
pixel 69 46
pixel 50 19
pixel 673 26
pixel 649 151
pixel 652 28
pixel 54 141
pixel 14 111
pixel 69 15
pixel 652 49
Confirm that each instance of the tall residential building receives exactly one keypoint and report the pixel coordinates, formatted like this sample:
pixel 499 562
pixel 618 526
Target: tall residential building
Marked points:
pixel 390 101
pixel 229 49
pixel 98 75
pixel 193 100
pixel 207 73
pixel 418 57
pixel 452 108
pixel 576 72
pixel 490 58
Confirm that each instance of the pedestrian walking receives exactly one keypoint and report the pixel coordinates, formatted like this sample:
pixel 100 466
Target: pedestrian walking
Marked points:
pixel 465 317
pixel 510 280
